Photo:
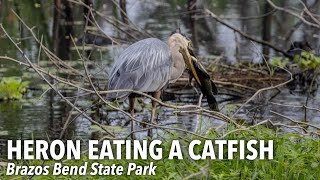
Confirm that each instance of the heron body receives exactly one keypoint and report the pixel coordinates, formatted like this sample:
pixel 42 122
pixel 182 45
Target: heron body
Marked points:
pixel 147 66
pixel 144 66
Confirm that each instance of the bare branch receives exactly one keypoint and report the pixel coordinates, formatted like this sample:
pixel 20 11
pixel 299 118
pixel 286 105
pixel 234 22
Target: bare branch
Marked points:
pixel 294 14
pixel 48 82
pixel 211 14
pixel 265 89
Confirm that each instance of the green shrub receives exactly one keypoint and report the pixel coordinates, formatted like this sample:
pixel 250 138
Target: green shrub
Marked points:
pixel 307 60
pixel 12 88
pixel 278 62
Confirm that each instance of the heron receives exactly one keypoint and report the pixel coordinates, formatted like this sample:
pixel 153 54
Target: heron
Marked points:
pixel 149 65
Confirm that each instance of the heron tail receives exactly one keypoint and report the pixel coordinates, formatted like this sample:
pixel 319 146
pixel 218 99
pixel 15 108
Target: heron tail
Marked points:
pixel 118 83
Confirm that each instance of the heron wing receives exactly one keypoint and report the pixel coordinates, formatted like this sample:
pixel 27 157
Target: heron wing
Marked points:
pixel 144 66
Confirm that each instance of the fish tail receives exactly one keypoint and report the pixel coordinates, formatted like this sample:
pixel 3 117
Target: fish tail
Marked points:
pixel 212 102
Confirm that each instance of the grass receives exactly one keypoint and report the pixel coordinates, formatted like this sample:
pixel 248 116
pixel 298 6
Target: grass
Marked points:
pixel 295 157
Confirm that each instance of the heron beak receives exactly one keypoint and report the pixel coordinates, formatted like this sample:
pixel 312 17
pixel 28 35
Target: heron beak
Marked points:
pixel 188 60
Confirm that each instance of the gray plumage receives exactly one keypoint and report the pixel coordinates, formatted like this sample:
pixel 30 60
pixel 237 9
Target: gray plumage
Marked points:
pixel 144 66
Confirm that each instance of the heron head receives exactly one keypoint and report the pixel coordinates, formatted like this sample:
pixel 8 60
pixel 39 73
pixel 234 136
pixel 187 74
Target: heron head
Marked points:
pixel 179 40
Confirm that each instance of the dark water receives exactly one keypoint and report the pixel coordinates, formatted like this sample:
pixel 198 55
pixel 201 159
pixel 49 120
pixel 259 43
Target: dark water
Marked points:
pixel 42 113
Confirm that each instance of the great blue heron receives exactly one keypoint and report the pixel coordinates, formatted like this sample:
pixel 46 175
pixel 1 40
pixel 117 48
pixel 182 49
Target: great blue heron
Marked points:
pixel 148 66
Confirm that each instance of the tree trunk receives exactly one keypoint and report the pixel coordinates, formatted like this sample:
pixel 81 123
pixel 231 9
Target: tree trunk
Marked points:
pixel 123 11
pixel 266 30
pixel 62 28
pixel 192 7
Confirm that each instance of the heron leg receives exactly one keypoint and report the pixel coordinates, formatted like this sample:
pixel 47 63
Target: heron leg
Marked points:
pixel 156 95
pixel 153 111
pixel 132 99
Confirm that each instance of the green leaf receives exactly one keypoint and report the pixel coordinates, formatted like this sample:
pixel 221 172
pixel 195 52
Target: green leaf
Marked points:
pixel 12 88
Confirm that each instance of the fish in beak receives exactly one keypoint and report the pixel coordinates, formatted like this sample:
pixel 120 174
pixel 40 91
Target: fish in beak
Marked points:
pixel 202 77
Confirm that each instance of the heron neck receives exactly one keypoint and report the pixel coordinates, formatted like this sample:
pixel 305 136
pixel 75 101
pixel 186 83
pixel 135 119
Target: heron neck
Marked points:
pixel 178 62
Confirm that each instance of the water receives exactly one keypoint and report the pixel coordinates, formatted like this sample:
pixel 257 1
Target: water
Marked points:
pixel 43 117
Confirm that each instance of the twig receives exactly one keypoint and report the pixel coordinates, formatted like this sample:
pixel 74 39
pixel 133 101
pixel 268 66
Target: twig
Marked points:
pixel 298 122
pixel 265 89
pixel 48 82
pixel 293 14
pixel 264 59
pixel 211 14
pixel 309 13
pixel 51 55
pixel 66 124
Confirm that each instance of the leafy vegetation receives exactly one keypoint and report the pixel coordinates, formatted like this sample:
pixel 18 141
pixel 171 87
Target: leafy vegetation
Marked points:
pixel 12 88
pixel 295 157
pixel 278 62
pixel 307 60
